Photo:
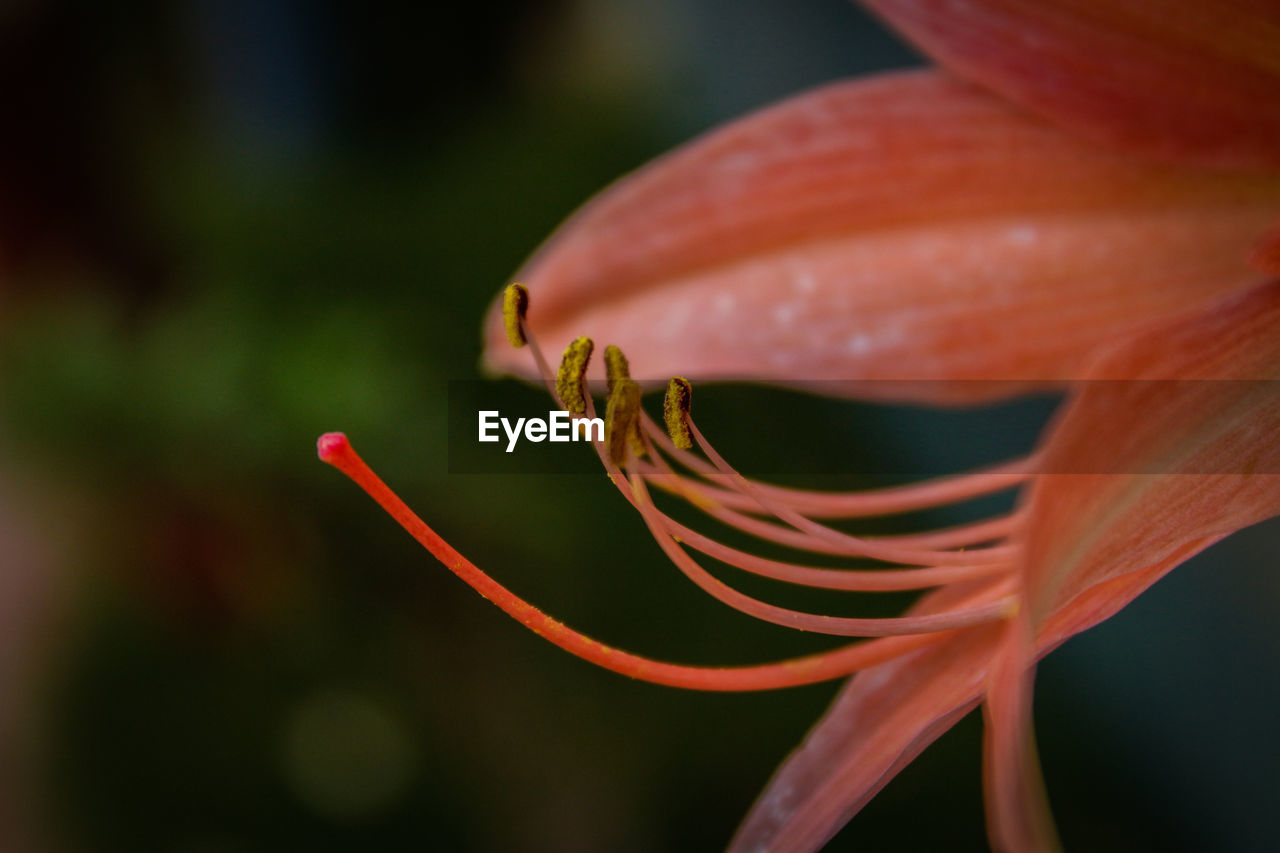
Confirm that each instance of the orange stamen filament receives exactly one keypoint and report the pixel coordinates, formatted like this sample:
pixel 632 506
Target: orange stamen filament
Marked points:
pixel 697 492
pixel 872 502
pixel 876 580
pixel 937 567
pixel 849 580
pixel 989 611
pixel 842 543
pixel 851 546
pixel 836 625
pixel 660 474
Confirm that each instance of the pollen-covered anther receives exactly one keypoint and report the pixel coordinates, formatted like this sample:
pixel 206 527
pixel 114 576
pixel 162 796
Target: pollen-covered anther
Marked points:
pixel 515 305
pixel 570 381
pixel 675 411
pixel 620 418
pixel 615 367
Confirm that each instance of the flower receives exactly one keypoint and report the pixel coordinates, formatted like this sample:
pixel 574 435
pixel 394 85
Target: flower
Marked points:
pixel 920 238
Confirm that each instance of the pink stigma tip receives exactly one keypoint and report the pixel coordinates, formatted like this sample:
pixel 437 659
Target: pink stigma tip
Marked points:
pixel 329 445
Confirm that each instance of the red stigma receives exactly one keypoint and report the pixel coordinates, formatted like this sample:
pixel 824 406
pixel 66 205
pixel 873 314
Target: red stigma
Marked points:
pixel 331 445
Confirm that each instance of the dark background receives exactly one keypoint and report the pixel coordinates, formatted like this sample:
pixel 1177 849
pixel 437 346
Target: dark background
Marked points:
pixel 227 227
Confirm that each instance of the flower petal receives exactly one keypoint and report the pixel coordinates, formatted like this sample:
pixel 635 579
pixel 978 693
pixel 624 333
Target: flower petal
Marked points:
pixel 907 227
pixel 1266 254
pixel 1018 816
pixel 1190 414
pixel 1200 401
pixel 886 716
pixel 1174 443
pixel 878 724
pixel 1176 79
pixel 1135 529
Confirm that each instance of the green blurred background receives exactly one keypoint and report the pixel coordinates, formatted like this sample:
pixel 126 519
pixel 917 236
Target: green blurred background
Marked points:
pixel 227 227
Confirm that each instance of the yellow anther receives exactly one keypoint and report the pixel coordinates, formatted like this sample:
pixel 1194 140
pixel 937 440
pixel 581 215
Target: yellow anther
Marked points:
pixel 615 367
pixel 634 439
pixel 515 304
pixel 675 410
pixel 620 418
pixel 572 375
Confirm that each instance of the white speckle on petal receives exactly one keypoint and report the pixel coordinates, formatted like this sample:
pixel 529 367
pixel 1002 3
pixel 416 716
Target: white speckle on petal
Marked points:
pixel 803 281
pixel 674 324
pixel 858 343
pixel 742 161
pixel 782 358
pixel 1022 235
pixel 784 315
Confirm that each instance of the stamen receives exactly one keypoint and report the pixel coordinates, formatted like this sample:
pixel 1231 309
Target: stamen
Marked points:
pixel 675 411
pixel 848 580
pixel 871 502
pixel 835 625
pixel 573 374
pixel 626 420
pixel 857 504
pixel 620 417
pixel 515 304
pixel 678 398
pixel 841 544
pixel 334 449
pixel 615 367
pixel 851 545
pixel 701 494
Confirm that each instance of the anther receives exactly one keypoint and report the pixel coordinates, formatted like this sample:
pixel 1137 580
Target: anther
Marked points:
pixel 615 367
pixel 675 410
pixel 620 418
pixel 515 304
pixel 572 375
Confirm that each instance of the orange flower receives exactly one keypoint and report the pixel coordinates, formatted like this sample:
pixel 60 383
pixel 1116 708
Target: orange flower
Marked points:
pixel 922 239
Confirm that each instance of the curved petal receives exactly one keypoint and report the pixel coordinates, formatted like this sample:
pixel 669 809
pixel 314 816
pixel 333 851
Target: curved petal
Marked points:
pixel 1118 533
pixel 1266 254
pixel 1018 816
pixel 1176 79
pixel 907 227
pixel 878 724
pixel 1190 417
pixel 886 716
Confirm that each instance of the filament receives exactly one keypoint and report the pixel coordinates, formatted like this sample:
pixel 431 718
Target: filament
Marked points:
pixel 836 625
pixel 871 502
